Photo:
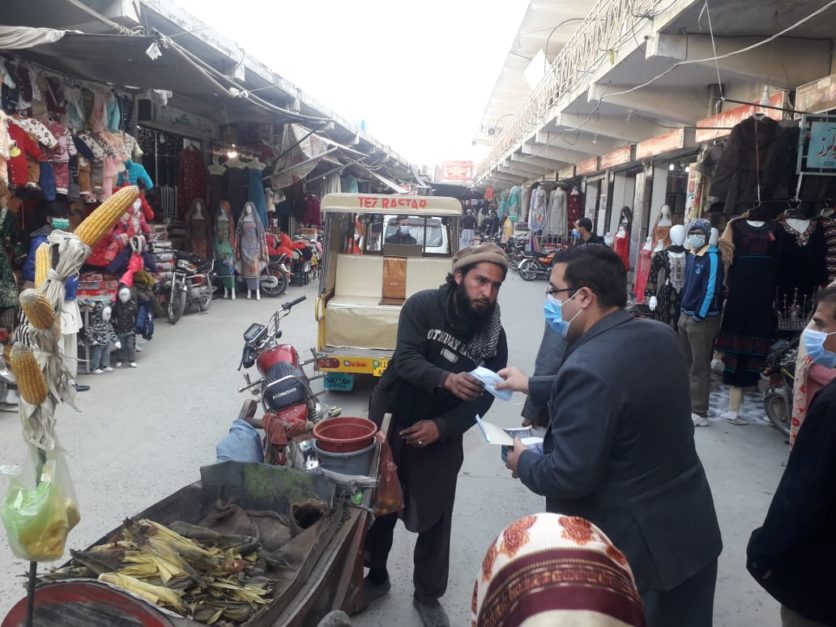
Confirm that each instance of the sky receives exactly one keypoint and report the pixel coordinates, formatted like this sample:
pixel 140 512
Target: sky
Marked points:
pixel 419 73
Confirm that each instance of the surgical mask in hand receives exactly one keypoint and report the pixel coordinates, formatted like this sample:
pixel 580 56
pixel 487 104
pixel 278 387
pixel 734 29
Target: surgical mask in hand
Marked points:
pixel 695 242
pixel 814 343
pixel 62 224
pixel 553 309
pixel 576 233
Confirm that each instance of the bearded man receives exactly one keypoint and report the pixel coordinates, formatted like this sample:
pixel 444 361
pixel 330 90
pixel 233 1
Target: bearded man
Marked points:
pixel 443 334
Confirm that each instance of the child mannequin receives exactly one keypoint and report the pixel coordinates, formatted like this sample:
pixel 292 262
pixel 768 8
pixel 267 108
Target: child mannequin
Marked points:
pixel 124 320
pixel 101 334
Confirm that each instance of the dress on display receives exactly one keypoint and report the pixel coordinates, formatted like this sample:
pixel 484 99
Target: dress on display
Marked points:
pixel 800 273
pixel 574 207
pixel 236 189
pixel 199 230
pixel 642 273
pixel 215 190
pixel 251 255
pixel 621 245
pixel 556 223
pixel 225 240
pixel 537 216
pixel 191 179
pixel 748 323
pixel 255 193
pixel 668 288
pixel 514 200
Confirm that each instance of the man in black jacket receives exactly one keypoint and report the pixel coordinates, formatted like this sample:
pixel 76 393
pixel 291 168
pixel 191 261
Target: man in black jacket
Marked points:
pixel 443 334
pixel 793 553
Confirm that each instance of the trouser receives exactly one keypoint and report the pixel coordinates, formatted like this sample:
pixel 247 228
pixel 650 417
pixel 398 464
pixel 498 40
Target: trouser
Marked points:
pixel 128 350
pixel 790 618
pixel 697 337
pixel 431 556
pixel 690 604
pixel 99 356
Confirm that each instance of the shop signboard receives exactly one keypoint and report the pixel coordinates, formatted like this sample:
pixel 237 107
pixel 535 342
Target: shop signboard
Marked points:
pixel 817 149
pixel 587 167
pixel 667 142
pixel 182 123
pixel 720 125
pixel 617 157
pixel 456 172
pixel 818 96
pixel 566 173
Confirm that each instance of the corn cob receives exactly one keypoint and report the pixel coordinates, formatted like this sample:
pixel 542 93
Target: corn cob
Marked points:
pixel 106 215
pixel 43 262
pixel 37 309
pixel 30 380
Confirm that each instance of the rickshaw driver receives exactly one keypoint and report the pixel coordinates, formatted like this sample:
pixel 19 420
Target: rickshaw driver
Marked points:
pixel 402 236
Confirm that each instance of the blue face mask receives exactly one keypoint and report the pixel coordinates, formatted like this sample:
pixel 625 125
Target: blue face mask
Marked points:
pixel 62 224
pixel 814 343
pixel 576 233
pixel 553 310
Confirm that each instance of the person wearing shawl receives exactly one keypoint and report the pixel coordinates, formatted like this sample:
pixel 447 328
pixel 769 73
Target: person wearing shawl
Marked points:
pixel 548 570
pixel 225 246
pixel 443 334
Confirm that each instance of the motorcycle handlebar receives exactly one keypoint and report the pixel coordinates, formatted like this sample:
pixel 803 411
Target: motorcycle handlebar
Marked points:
pixel 293 303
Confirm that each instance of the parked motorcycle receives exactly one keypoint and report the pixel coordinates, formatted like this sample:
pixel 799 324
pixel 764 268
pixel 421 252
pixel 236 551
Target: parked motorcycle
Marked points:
pixel 191 284
pixel 536 267
pixel 515 250
pixel 291 407
pixel 276 277
pixel 780 375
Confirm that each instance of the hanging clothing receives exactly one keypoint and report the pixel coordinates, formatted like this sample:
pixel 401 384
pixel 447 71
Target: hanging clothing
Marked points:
pixel 574 207
pixel 800 273
pixel 251 255
pixel 21 172
pixel 134 171
pixel 60 155
pixel 215 190
pixel 199 230
pixel 621 245
pixel 556 222
pixel 667 288
pixel 191 179
pixel 255 193
pixel 537 216
pixel 225 245
pixel 236 189
pixel 514 201
pixel 642 274
pixel 748 323
pixel 312 211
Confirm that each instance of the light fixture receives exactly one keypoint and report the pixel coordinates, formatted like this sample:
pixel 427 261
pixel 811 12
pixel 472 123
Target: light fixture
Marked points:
pixel 153 51
pixel 232 153
pixel 595 139
pixel 671 167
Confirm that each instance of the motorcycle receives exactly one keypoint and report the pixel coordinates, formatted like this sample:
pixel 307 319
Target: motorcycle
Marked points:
pixel 780 376
pixel 191 284
pixel 276 277
pixel 536 267
pixel 515 250
pixel 291 407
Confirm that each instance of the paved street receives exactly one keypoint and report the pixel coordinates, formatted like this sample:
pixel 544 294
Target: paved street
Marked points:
pixel 144 433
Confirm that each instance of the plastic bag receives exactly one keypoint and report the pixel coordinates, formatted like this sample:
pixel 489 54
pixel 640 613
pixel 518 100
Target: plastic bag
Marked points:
pixel 388 498
pixel 38 516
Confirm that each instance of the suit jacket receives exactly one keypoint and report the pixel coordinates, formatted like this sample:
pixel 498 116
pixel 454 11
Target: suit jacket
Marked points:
pixel 620 449
pixel 547 363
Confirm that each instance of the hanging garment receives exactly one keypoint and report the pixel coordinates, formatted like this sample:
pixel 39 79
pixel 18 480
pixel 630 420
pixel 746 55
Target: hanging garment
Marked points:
pixel 28 154
pixel 215 191
pixel 642 274
pixel 225 245
pixel 537 216
pixel 255 193
pixel 514 201
pixel 60 155
pixel 801 272
pixel 574 207
pixel 191 179
pixel 312 212
pixel 252 256
pixel 665 282
pixel 236 189
pixel 748 325
pixel 133 172
pixel 621 245
pixel 828 226
pixel 38 130
pixel 556 222
pixel 199 230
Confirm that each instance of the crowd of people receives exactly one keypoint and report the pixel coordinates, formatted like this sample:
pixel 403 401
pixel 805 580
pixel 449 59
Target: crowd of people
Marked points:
pixel 631 536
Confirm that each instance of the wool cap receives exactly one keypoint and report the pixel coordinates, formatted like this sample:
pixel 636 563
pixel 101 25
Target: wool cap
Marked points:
pixel 488 251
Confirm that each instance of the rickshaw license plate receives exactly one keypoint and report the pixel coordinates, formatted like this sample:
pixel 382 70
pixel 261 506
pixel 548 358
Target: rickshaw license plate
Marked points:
pixel 379 366
pixel 338 382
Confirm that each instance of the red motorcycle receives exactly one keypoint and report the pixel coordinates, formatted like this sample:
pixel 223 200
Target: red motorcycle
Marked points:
pixel 290 406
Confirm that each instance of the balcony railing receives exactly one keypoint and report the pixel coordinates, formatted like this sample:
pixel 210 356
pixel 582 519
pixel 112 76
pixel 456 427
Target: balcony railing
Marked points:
pixel 597 40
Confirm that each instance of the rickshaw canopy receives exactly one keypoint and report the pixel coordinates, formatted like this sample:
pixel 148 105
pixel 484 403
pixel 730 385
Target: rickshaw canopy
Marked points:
pixel 391 203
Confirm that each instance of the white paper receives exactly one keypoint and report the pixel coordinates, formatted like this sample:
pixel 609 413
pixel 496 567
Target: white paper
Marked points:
pixel 493 434
pixel 491 379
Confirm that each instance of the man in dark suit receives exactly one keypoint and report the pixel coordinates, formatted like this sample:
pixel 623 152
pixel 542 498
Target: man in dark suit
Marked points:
pixel 620 450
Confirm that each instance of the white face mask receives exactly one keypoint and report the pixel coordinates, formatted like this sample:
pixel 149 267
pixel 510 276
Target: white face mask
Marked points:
pixel 106 313
pixel 137 204
pixel 124 296
pixel 404 230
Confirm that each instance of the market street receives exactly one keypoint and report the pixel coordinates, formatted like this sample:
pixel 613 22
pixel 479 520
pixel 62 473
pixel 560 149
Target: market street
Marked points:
pixel 144 433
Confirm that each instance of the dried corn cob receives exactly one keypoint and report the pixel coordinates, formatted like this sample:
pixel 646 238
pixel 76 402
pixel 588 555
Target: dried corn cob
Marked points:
pixel 43 262
pixel 106 215
pixel 37 309
pixel 30 380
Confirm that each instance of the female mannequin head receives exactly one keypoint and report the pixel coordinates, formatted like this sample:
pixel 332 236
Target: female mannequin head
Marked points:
pixel 677 235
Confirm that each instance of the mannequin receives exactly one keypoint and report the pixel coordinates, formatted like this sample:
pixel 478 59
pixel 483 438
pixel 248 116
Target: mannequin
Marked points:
pixel 225 241
pixel 556 222
pixel 255 189
pixel 643 270
pixel 198 230
pixel 662 229
pixel 251 255
pixel 537 214
pixel 748 323
pixel 214 185
pixel 665 293
pixel 622 236
pixel 235 185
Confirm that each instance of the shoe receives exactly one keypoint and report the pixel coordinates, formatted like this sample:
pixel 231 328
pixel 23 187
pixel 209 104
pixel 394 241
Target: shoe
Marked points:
pixel 373 591
pixel 81 388
pixel 699 421
pixel 98 371
pixel 133 364
pixel 118 364
pixel 138 349
pixel 734 418
pixel 432 614
pixel 108 369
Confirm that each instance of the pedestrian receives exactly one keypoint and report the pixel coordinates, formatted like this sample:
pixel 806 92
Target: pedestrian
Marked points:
pixel 792 554
pixel 490 226
pixel 468 229
pixel 586 234
pixel 699 322
pixel 402 235
pixel 620 450
pixel 100 336
pixel 443 334
pixel 552 570
pixel 124 322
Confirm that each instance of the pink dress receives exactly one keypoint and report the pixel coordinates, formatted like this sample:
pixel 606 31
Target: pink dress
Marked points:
pixel 642 274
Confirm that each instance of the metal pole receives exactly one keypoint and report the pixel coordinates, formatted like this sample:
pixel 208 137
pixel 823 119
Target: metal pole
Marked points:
pixel 30 594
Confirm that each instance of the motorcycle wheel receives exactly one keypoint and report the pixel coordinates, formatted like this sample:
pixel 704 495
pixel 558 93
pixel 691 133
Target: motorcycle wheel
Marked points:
pixel 516 262
pixel 527 271
pixel 778 410
pixel 205 300
pixel 176 306
pixel 274 284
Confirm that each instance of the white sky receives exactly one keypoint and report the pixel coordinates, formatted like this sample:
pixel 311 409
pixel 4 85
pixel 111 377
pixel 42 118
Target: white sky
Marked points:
pixel 419 73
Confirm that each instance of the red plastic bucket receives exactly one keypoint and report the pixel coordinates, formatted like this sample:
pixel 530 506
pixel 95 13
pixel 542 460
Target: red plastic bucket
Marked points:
pixel 344 434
